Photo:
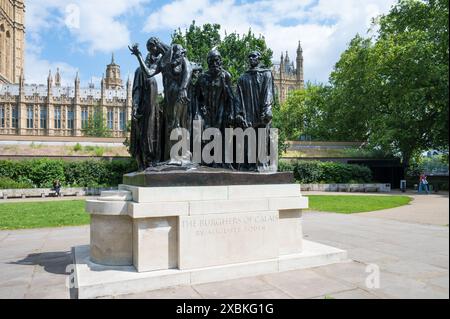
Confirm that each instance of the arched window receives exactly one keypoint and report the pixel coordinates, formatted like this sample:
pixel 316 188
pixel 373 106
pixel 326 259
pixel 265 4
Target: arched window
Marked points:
pixel 2 116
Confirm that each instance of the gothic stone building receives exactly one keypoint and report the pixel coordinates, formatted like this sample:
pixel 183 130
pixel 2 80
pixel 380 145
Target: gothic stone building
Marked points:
pixel 287 77
pixel 54 110
pixel 12 40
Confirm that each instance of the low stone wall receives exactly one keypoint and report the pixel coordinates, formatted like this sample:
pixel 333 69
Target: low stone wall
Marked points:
pixel 355 188
pixel 47 192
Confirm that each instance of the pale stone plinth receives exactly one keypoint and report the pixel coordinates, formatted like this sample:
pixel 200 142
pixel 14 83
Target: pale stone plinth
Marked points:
pixel 185 235
pixel 93 280
pixel 155 243
pixel 214 240
pixel 111 240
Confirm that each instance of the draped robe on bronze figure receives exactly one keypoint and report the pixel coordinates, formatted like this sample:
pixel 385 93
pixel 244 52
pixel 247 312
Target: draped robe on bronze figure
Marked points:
pixel 255 98
pixel 216 99
pixel 176 71
pixel 145 139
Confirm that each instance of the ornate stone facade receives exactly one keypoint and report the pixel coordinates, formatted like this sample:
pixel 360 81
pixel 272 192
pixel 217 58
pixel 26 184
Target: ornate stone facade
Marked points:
pixel 12 40
pixel 54 110
pixel 287 77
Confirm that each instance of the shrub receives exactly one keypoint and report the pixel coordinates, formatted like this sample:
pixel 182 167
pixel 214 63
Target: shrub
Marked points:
pixel 99 151
pixel 77 147
pixel 308 172
pixel 286 166
pixel 42 172
pixel 8 183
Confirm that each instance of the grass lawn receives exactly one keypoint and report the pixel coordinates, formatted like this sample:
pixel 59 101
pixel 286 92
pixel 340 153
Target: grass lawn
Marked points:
pixel 348 204
pixel 43 214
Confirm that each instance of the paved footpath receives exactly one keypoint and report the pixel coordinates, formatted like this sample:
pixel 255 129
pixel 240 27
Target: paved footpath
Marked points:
pixel 413 259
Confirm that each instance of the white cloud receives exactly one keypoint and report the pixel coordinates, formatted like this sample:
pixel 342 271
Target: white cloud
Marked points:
pixel 325 27
pixel 37 70
pixel 94 25
pixel 97 24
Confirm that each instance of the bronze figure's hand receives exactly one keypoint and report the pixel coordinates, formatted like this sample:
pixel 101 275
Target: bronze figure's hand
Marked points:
pixel 241 122
pixel 135 49
pixel 182 97
pixel 266 117
pixel 136 116
pixel 204 110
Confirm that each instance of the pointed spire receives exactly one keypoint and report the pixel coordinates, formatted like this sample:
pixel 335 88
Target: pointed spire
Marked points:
pixel 299 49
pixel 77 79
pixel 128 80
pixel 102 83
pixel 49 78
pixel 287 57
pixel 21 78
pixel 113 60
pixel 57 78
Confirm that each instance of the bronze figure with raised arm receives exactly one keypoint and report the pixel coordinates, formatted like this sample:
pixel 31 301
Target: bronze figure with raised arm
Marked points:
pixel 176 72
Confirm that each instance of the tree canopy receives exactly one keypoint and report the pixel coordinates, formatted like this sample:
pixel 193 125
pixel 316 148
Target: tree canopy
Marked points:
pixel 389 89
pixel 233 47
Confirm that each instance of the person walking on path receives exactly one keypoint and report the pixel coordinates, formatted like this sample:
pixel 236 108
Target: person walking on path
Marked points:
pixel 423 183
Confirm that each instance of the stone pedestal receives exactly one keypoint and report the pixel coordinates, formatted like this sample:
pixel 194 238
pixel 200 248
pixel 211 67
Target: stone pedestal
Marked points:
pixel 192 234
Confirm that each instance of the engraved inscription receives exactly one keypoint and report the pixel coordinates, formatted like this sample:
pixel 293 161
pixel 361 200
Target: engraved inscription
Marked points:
pixel 228 225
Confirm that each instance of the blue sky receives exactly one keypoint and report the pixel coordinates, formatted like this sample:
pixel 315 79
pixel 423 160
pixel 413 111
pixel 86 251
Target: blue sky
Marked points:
pixel 80 35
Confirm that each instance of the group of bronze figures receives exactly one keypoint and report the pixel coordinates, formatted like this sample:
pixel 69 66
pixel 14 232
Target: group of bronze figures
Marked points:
pixel 193 94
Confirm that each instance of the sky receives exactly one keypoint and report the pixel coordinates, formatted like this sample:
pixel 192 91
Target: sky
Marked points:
pixel 80 36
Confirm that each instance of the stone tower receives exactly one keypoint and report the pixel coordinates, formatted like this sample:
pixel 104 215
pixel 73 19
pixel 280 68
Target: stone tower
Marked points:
pixel 112 79
pixel 300 74
pixel 289 77
pixel 12 40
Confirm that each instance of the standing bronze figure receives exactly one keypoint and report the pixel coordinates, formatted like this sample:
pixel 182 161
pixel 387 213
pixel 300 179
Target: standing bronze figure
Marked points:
pixel 146 125
pixel 216 98
pixel 176 71
pixel 255 99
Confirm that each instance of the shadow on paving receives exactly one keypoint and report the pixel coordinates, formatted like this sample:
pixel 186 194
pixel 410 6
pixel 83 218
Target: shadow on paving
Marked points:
pixel 52 262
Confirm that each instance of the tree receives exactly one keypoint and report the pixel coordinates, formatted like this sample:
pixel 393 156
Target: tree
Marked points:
pixel 234 48
pixel 198 41
pixel 307 112
pixel 96 126
pixel 391 89
pixel 411 62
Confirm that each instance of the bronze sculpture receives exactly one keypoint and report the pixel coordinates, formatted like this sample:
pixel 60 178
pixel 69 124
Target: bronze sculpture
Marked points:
pixel 145 139
pixel 190 94
pixel 255 98
pixel 176 71
pixel 216 99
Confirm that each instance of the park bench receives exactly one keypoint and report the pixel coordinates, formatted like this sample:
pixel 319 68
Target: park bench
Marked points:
pixel 39 192
pixel 343 188
pixel 371 189
pixel 355 188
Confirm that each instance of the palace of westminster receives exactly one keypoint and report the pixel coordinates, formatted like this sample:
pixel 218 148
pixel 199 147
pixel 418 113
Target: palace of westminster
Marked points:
pixel 56 110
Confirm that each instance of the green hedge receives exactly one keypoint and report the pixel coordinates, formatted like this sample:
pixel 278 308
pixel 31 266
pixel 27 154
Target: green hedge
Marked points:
pixel 311 172
pixel 9 183
pixel 41 173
